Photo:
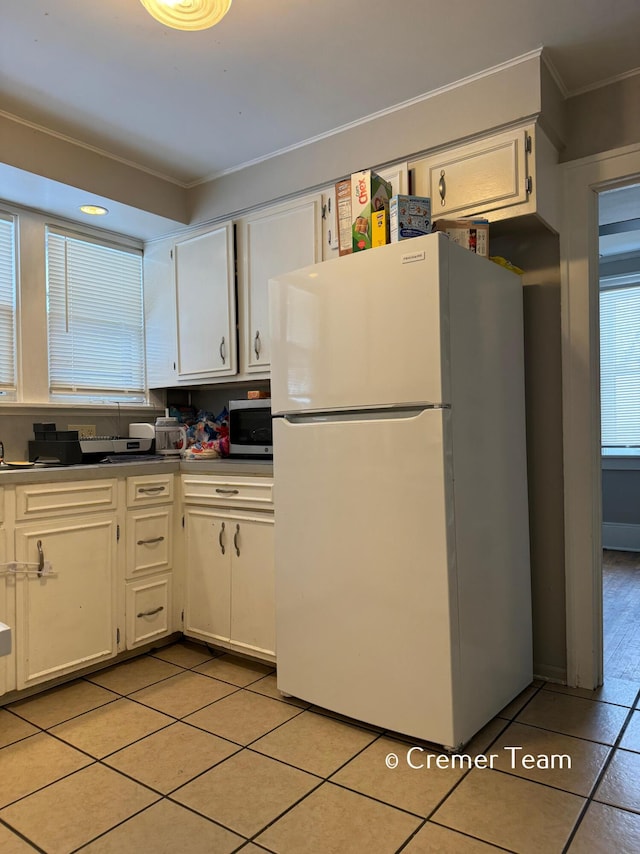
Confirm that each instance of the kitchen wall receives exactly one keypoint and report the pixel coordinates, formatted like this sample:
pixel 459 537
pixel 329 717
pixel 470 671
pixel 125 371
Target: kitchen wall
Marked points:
pixel 16 419
pixel 16 423
pixel 603 119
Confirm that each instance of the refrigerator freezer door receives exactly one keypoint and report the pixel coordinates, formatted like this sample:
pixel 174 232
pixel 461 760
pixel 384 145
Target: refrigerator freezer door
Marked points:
pixel 365 330
pixel 365 576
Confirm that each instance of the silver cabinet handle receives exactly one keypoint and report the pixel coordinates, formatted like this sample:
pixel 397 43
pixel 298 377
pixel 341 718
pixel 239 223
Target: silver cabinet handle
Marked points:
pixel 152 612
pixel 40 559
pixel 223 351
pixel 220 539
pixel 148 542
pixel 257 345
pixel 227 491
pixel 147 489
pixel 235 540
pixel 442 187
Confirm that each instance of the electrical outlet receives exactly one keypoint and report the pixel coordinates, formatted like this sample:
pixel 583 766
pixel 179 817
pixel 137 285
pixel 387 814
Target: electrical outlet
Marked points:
pixel 85 431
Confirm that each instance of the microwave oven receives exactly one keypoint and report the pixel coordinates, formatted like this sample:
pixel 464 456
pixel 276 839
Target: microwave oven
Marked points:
pixel 250 430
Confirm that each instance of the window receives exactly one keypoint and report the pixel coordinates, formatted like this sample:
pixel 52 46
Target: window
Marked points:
pixel 7 305
pixel 620 364
pixel 95 317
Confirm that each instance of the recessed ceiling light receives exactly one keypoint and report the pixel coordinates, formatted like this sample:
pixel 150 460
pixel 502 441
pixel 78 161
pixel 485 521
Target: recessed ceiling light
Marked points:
pixel 94 210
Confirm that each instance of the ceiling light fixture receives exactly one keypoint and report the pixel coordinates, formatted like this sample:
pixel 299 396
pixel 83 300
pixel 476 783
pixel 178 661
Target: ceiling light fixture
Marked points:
pixel 94 210
pixel 187 14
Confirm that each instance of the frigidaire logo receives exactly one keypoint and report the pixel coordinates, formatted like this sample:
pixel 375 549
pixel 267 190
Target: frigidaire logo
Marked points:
pixel 363 196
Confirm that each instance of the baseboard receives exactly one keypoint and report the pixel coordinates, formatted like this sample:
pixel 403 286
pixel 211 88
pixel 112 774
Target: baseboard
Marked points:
pixel 621 537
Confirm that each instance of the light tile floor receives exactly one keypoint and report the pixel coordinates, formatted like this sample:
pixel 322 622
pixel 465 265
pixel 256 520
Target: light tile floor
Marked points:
pixel 191 750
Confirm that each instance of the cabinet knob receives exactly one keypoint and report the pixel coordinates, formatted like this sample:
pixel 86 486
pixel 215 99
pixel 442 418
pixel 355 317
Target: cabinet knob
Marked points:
pixel 442 187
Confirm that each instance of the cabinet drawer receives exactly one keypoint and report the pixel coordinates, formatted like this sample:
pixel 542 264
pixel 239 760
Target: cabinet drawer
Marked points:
pixel 148 605
pixel 153 489
pixel 149 541
pixel 60 499
pixel 252 492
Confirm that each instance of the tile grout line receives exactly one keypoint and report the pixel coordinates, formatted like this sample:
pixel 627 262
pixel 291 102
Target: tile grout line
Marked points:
pixel 605 767
pixel 507 724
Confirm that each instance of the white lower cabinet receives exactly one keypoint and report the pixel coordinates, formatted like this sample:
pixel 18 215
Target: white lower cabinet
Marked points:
pixel 7 666
pixel 65 618
pixel 230 584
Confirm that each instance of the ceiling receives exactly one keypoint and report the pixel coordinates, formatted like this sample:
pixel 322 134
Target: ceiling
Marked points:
pixel 272 75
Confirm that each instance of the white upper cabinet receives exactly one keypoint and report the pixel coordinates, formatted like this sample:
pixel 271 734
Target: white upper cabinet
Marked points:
pixel 160 315
pixel 274 241
pixel 504 175
pixel 205 306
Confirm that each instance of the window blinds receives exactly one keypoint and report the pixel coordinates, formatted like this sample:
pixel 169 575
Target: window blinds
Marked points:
pixel 620 365
pixel 95 317
pixel 7 304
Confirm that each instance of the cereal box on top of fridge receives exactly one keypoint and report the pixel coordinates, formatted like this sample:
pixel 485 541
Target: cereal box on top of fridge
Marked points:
pixel 369 193
pixel 343 215
pixel 409 216
pixel 472 233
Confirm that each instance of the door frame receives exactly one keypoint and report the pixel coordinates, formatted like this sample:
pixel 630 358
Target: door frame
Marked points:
pixel 580 321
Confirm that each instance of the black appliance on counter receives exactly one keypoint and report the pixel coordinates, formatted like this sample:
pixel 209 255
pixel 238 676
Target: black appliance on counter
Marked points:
pixel 64 447
pixel 250 430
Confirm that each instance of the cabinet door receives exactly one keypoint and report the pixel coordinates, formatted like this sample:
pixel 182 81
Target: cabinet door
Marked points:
pixel 479 177
pixel 275 241
pixel 160 315
pixel 205 305
pixel 6 584
pixel 253 622
pixel 208 540
pixel 65 621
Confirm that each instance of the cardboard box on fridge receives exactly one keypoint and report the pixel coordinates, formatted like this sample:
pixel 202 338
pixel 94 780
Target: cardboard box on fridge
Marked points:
pixel 343 216
pixel 472 234
pixel 409 216
pixel 369 193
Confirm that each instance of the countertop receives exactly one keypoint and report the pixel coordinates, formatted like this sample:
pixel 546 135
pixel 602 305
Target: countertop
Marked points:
pixel 47 474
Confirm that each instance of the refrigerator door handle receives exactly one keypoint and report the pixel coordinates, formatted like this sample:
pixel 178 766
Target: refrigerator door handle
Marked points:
pixel 379 414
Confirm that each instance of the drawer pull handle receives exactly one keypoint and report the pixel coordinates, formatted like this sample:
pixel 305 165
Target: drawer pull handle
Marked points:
pixel 227 491
pixel 151 489
pixel 257 345
pixel 151 540
pixel 220 539
pixel 223 351
pixel 40 559
pixel 442 188
pixel 151 612
pixel 235 540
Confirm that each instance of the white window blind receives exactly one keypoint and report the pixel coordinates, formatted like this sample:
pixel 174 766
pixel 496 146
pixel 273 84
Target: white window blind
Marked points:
pixel 620 365
pixel 7 305
pixel 96 321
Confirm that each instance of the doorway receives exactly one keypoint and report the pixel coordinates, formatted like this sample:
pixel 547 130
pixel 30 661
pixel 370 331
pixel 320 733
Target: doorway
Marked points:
pixel 583 181
pixel 619 284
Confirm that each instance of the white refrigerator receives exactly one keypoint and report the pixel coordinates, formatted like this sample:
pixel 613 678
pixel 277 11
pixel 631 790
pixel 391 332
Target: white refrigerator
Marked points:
pixel 403 593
